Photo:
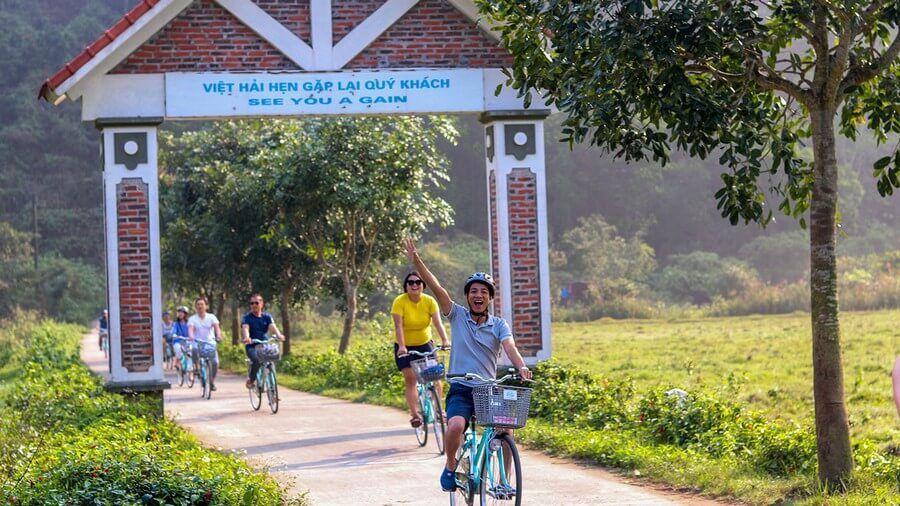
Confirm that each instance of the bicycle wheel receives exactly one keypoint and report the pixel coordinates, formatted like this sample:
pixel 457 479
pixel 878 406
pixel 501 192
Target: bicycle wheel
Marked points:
pixel 437 418
pixel 501 475
pixel 422 429
pixel 255 394
pixel 272 387
pixel 190 373
pixel 181 375
pixel 464 493
pixel 204 379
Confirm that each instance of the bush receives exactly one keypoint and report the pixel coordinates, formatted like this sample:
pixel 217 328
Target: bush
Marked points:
pixel 68 441
pixel 700 277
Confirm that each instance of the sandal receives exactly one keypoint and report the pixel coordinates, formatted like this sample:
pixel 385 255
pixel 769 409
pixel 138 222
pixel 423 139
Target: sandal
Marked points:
pixel 415 421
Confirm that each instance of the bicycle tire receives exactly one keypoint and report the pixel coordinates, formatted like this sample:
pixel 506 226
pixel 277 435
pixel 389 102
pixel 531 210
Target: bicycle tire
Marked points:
pixel 255 398
pixel 272 387
pixel 204 380
pixel 422 430
pixel 190 373
pixel 437 419
pixel 491 473
pixel 181 374
pixel 462 495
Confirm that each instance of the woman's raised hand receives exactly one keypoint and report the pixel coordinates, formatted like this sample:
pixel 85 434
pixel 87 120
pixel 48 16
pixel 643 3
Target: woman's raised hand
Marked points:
pixel 410 250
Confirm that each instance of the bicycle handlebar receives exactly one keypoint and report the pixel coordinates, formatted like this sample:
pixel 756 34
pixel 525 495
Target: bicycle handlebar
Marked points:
pixel 421 354
pixel 472 376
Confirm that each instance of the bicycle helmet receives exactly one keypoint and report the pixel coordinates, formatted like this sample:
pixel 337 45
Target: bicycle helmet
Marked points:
pixel 183 309
pixel 480 277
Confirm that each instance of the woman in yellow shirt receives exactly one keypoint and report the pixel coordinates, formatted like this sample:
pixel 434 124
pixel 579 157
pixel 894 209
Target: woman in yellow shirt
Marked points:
pixel 414 314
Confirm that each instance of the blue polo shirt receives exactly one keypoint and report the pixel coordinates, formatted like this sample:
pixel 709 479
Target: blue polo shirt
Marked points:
pixel 259 325
pixel 475 347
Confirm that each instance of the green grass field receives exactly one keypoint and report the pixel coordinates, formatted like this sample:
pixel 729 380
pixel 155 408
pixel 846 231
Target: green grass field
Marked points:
pixel 767 358
pixel 764 359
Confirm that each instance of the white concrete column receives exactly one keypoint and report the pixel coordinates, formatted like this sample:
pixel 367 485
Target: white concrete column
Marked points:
pixel 131 210
pixel 517 212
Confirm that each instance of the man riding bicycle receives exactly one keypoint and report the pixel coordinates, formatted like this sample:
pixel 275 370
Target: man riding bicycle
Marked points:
pixel 477 339
pixel 256 325
pixel 203 330
pixel 102 328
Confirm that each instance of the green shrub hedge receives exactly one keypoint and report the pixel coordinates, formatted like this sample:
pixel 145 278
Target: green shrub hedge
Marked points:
pixel 65 440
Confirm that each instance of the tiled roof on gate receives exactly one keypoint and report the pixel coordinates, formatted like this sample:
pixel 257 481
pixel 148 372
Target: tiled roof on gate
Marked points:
pixel 70 68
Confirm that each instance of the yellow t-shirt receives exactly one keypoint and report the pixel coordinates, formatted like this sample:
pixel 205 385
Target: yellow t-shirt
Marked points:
pixel 416 317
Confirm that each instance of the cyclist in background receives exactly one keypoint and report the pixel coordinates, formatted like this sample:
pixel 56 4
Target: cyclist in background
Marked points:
pixel 102 328
pixel 203 329
pixel 414 312
pixel 180 335
pixel 256 325
pixel 477 339
pixel 167 325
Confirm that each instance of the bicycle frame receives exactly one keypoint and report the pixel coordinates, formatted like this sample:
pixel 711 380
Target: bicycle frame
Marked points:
pixel 478 450
pixel 427 411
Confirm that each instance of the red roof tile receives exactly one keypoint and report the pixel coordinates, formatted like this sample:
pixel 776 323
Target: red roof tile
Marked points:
pixel 95 47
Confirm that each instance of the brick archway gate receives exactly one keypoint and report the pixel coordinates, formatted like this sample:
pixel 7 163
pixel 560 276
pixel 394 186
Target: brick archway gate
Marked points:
pixel 214 59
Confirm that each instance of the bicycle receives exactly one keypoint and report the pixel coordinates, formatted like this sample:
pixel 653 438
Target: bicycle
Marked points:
pixel 266 380
pixel 428 370
pixel 168 355
pixel 187 365
pixel 490 467
pixel 104 342
pixel 206 352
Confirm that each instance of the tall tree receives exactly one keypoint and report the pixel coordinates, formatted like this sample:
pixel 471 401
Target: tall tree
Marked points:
pixel 349 189
pixel 743 80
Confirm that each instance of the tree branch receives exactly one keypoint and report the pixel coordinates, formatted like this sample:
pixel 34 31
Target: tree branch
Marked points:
pixel 705 68
pixel 862 73
pixel 768 78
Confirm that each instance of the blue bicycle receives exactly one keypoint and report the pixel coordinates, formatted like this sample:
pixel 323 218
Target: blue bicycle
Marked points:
pixel 207 352
pixel 429 370
pixel 489 467
pixel 186 369
pixel 268 353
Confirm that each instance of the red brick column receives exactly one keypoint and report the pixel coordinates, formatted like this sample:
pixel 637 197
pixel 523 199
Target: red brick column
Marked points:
pixel 136 311
pixel 131 193
pixel 517 212
pixel 524 254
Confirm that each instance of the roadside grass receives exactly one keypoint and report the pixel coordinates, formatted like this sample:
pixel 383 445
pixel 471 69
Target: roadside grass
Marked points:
pixel 765 360
pixel 759 366
pixel 65 440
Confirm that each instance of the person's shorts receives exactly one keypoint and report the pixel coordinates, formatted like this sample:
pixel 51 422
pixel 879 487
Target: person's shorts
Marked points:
pixel 403 362
pixel 460 402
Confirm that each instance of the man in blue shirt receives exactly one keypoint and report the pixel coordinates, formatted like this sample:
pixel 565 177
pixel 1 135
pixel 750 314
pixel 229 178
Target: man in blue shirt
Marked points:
pixel 256 325
pixel 477 337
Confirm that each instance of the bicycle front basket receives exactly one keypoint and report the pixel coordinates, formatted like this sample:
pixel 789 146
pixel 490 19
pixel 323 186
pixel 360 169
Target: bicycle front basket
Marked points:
pixel 501 406
pixel 268 352
pixel 428 369
pixel 207 350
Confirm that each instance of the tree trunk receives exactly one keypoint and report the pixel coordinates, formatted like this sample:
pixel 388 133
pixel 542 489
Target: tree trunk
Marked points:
pixel 832 430
pixel 219 304
pixel 235 323
pixel 285 302
pixel 349 318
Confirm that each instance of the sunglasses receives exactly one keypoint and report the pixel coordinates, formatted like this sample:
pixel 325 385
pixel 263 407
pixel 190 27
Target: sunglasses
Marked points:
pixel 254 302
pixel 412 282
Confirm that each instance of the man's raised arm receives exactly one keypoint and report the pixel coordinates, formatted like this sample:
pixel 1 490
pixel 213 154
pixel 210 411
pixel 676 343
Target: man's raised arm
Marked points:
pixel 443 298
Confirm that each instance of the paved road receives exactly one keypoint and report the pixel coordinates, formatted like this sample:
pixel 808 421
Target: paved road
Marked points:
pixel 347 453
